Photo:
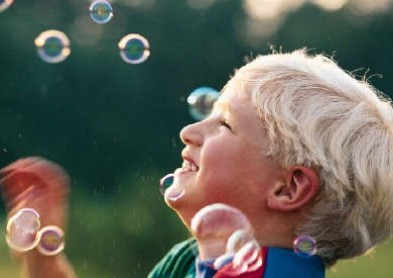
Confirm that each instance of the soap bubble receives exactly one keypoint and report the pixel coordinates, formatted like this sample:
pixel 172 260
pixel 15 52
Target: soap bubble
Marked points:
pixel 247 259
pixel 201 102
pixel 5 4
pixel 101 11
pixel 225 234
pixel 134 48
pixel 51 240
pixel 238 239
pixel 22 229
pixel 53 46
pixel 243 251
pixel 305 246
pixel 166 182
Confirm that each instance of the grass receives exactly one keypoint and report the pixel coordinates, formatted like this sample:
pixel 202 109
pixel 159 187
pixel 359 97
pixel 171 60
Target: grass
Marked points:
pixel 377 264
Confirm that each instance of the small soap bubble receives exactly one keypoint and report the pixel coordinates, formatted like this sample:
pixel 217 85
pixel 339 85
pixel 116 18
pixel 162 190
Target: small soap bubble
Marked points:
pixel 22 229
pixel 101 11
pixel 305 246
pixel 5 4
pixel 238 239
pixel 166 182
pixel 201 102
pixel 134 48
pixel 53 46
pixel 51 240
pixel 222 261
pixel 247 259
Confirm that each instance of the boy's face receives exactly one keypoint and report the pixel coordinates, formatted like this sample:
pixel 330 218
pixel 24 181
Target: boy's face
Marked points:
pixel 223 161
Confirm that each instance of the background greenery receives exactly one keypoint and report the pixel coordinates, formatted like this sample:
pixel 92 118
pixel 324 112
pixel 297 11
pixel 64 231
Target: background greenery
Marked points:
pixel 114 126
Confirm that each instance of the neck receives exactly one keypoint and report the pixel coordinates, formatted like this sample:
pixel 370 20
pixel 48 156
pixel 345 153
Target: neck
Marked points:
pixel 277 231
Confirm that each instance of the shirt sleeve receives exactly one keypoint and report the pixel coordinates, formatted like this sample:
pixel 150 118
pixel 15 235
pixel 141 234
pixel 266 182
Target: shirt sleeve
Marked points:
pixel 204 269
pixel 179 262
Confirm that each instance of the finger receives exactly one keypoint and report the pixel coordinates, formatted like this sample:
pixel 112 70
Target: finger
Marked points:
pixel 51 207
pixel 17 179
pixel 19 201
pixel 43 168
pixel 19 164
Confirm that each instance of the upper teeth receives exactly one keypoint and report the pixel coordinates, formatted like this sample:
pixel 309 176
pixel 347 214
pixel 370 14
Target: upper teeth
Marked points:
pixel 189 166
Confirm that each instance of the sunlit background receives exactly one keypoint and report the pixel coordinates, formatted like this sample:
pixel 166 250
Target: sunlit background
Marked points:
pixel 114 125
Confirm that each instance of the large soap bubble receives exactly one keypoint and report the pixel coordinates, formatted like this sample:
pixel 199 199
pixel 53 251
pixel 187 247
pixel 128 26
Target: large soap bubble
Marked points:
pixel 22 229
pixel 225 234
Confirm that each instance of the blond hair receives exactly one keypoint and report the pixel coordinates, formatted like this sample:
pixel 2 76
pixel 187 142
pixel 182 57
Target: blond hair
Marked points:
pixel 317 115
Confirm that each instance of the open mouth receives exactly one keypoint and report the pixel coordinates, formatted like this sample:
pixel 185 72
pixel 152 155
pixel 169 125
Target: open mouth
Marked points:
pixel 189 166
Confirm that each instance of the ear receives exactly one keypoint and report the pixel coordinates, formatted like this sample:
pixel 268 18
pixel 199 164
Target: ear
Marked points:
pixel 299 189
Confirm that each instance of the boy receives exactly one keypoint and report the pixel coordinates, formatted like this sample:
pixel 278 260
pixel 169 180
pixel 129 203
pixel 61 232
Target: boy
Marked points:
pixel 296 145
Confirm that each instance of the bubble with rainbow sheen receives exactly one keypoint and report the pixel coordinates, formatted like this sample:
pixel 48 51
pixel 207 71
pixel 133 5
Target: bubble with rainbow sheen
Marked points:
pixel 21 230
pixel 201 101
pixel 134 48
pixel 53 46
pixel 101 11
pixel 166 182
pixel 51 240
pixel 5 4
pixel 305 246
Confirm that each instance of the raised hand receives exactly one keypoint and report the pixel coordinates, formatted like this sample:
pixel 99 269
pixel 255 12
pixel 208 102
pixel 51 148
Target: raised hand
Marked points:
pixel 41 185
pixel 36 183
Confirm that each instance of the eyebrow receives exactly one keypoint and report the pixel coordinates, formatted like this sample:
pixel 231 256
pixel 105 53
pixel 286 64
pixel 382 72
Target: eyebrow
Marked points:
pixel 223 106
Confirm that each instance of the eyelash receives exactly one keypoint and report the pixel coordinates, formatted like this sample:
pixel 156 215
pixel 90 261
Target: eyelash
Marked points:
pixel 225 124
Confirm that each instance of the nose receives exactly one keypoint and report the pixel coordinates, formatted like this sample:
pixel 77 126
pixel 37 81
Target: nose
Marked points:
pixel 191 134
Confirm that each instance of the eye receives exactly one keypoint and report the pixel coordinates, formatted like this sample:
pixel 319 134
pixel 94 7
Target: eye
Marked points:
pixel 225 124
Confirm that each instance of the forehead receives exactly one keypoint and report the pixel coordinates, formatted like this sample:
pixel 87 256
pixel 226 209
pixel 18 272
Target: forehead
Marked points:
pixel 233 94
pixel 236 103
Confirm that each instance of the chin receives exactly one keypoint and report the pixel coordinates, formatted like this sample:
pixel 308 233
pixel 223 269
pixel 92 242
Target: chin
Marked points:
pixel 184 209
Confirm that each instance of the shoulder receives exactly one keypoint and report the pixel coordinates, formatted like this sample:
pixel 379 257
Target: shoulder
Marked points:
pixel 285 263
pixel 178 262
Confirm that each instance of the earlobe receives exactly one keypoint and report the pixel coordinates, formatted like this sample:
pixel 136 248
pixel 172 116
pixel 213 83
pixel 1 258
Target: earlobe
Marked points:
pixel 298 190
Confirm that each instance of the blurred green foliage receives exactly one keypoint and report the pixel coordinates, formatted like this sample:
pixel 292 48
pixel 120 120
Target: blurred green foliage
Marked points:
pixel 114 126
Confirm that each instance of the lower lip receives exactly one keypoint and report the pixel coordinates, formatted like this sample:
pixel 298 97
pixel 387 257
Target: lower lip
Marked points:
pixel 172 194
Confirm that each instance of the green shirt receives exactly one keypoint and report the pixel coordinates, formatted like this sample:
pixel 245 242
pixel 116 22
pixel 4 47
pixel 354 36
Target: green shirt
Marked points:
pixel 179 262
pixel 280 263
